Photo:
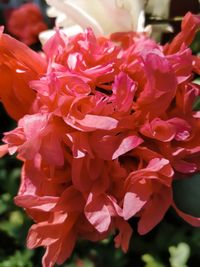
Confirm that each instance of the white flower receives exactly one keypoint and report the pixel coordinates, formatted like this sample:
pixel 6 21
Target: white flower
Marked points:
pixel 103 16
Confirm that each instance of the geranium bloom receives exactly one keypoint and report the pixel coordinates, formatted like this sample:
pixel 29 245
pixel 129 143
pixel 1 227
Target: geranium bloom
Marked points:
pixel 26 22
pixel 104 127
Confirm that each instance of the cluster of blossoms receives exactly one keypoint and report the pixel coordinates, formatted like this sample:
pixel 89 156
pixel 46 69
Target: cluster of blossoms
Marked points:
pixel 26 22
pixel 104 126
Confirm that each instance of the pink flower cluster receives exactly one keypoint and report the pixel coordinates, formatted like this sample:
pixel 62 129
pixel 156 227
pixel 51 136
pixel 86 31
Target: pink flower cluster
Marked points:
pixel 26 22
pixel 104 126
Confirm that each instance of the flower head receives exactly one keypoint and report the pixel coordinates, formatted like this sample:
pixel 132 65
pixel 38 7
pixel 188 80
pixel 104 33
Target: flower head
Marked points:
pixel 107 124
pixel 26 22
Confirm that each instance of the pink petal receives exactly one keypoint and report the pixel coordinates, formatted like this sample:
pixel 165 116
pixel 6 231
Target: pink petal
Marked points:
pixel 128 143
pixel 112 146
pixel 189 27
pixel 93 122
pixel 123 238
pixel 154 211
pixel 133 203
pixel 3 150
pixel 194 221
pixel 158 129
pixel 124 88
pixel 97 213
pixel 35 202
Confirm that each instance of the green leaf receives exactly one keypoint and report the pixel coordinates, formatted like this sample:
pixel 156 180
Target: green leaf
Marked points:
pixel 179 255
pixel 197 80
pixel 19 259
pixel 196 44
pixel 196 105
pixel 5 200
pixel 13 226
pixel 151 261
pixel 16 218
pixel 187 194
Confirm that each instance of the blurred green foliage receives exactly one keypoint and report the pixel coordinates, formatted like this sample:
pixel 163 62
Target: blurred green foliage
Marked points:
pixel 179 255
